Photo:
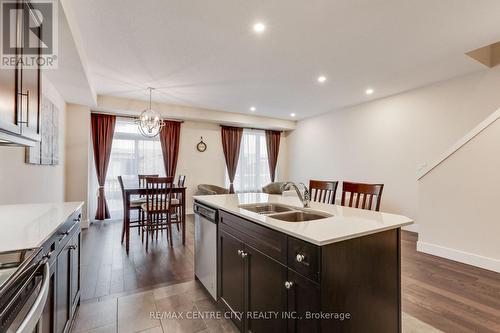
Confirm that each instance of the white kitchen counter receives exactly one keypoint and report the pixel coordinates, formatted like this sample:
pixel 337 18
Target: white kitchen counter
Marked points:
pixel 29 225
pixel 346 223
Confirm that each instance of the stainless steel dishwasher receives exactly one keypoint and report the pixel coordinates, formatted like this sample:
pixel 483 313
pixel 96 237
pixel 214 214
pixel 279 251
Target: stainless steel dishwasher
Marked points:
pixel 205 238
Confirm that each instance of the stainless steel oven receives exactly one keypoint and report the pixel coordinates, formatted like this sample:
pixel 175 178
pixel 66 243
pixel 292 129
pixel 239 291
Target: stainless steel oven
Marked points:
pixel 24 286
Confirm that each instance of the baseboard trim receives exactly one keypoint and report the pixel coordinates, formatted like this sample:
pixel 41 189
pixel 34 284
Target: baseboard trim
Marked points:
pixel 412 227
pixel 460 256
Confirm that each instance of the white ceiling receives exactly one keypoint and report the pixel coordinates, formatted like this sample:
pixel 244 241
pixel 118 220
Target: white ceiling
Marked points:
pixel 205 54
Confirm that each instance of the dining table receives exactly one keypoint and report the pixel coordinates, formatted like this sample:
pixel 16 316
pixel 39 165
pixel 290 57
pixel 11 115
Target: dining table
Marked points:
pixel 132 188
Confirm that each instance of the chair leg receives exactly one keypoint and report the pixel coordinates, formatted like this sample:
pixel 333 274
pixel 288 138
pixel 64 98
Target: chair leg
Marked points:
pixel 123 229
pixel 147 231
pixel 169 230
pixel 139 229
pixel 178 218
pixel 158 222
pixel 142 226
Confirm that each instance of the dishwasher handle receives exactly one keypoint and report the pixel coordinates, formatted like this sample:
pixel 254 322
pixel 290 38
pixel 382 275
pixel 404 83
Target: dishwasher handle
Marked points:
pixel 207 212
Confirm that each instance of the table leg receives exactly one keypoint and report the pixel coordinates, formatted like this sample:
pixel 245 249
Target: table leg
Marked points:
pixel 183 213
pixel 127 222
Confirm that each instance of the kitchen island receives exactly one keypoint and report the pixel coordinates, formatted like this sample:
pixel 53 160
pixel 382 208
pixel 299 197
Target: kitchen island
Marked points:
pixel 337 273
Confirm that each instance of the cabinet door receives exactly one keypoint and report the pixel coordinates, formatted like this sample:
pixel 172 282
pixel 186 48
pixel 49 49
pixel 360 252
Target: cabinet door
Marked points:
pixel 74 248
pixel 8 99
pixel 303 297
pixel 28 102
pixel 266 293
pixel 62 289
pixel 231 276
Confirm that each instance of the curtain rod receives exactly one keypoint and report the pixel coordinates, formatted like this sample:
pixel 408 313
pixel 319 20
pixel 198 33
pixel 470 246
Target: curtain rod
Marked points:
pixel 130 116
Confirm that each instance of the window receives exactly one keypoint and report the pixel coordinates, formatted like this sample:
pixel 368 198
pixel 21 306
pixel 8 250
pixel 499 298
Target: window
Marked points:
pixel 131 154
pixel 253 168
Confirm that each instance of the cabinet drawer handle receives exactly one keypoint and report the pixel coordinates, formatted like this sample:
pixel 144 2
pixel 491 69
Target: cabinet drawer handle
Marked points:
pixel 72 247
pixel 300 257
pixel 240 252
pixel 243 255
pixel 76 220
pixel 288 284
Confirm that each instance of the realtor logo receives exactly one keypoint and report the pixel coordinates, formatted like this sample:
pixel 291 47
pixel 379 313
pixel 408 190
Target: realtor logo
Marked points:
pixel 29 34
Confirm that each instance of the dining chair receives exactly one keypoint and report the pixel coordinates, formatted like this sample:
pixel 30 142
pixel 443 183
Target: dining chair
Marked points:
pixel 176 218
pixel 142 184
pixel 159 206
pixel 142 179
pixel 364 192
pixel 323 191
pixel 135 204
pixel 181 180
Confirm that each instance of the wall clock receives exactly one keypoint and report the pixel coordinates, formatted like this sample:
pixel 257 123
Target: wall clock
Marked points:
pixel 201 146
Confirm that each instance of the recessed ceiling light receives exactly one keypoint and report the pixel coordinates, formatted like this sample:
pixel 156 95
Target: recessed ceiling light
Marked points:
pixel 292 114
pixel 253 108
pixel 369 91
pixel 259 27
pixel 321 79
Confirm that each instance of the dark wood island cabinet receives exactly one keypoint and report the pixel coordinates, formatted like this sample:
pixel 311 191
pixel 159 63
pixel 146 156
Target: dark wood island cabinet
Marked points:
pixel 273 282
pixel 64 250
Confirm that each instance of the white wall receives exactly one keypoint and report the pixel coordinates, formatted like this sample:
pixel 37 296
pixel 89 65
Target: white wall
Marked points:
pixel 77 156
pixel 209 167
pixel 388 139
pixel 27 183
pixel 458 203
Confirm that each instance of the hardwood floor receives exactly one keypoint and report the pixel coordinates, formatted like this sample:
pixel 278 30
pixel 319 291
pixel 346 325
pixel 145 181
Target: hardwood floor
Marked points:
pixel 108 270
pixel 447 295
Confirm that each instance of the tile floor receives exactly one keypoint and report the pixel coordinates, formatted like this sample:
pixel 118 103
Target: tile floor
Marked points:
pixel 146 312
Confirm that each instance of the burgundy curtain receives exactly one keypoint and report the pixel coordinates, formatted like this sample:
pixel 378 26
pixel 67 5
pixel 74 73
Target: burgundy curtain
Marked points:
pixel 103 128
pixel 273 148
pixel 231 140
pixel 169 139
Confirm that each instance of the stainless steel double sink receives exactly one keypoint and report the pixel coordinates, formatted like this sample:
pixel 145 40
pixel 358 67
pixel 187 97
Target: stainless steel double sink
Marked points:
pixel 286 213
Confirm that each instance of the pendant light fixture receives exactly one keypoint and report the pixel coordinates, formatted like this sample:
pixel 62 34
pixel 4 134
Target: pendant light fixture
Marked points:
pixel 150 123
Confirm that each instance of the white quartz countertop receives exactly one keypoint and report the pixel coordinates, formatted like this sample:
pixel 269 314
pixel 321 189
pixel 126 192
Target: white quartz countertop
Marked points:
pixel 29 225
pixel 346 223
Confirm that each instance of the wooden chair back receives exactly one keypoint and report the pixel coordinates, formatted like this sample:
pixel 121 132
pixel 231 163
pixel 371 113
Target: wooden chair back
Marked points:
pixel 181 180
pixel 142 179
pixel 323 191
pixel 120 181
pixel 159 194
pixel 362 195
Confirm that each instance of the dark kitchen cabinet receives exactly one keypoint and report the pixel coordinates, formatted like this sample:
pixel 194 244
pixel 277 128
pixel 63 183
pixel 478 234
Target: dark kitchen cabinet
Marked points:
pixel 75 257
pixel 251 285
pixel 232 276
pixel 63 274
pixel 20 94
pixel 266 300
pixel 337 287
pixel 304 300
pixel 63 251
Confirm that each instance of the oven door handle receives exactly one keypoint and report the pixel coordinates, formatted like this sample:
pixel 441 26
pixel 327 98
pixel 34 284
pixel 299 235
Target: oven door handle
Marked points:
pixel 33 317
